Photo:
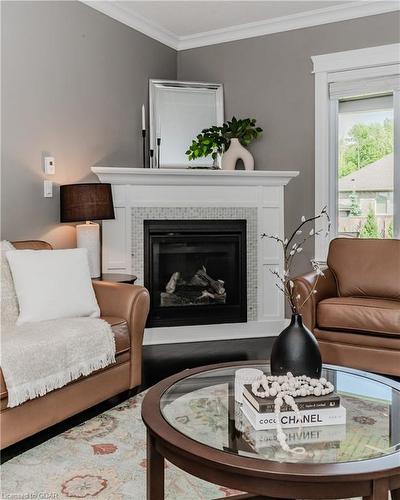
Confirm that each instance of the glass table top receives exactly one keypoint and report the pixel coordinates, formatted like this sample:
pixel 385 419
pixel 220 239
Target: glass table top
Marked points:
pixel 203 408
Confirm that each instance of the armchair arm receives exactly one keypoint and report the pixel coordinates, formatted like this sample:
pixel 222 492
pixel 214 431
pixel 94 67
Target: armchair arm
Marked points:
pixel 132 303
pixel 326 287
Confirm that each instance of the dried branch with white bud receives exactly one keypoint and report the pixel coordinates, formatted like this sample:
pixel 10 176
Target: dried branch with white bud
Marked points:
pixel 292 248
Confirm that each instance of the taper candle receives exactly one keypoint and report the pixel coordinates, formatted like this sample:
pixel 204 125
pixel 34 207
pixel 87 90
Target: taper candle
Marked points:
pixel 143 118
pixel 158 131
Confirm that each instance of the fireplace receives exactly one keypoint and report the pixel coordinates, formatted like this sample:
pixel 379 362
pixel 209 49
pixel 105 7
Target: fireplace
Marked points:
pixel 195 271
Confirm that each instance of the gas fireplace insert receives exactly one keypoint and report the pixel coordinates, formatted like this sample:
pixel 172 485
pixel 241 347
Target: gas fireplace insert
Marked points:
pixel 195 271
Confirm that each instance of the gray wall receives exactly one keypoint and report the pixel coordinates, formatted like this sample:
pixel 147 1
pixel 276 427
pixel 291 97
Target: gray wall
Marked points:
pixel 270 78
pixel 73 82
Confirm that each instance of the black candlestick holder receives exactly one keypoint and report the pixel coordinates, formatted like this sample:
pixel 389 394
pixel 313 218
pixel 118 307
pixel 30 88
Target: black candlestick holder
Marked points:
pixel 151 157
pixel 158 151
pixel 144 147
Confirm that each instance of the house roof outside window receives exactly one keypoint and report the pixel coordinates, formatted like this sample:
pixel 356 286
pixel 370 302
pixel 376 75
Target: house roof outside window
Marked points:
pixel 377 176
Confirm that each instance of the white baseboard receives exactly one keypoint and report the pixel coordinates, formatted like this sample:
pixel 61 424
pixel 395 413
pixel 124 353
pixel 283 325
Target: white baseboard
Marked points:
pixel 204 333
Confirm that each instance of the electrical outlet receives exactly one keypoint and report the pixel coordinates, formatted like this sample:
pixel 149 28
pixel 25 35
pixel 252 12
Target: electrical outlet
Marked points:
pixel 49 165
pixel 48 189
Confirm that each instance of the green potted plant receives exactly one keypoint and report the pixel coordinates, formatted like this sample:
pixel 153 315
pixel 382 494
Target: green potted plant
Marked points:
pixel 228 140
pixel 210 142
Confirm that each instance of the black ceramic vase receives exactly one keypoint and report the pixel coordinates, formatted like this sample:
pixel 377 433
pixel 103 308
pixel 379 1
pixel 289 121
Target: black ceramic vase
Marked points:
pixel 296 350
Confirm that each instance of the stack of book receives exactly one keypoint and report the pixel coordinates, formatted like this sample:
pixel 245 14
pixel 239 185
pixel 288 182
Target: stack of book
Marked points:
pixel 314 411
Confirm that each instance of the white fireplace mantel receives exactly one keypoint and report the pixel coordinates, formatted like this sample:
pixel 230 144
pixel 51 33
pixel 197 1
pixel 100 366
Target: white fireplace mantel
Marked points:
pixel 166 193
pixel 185 177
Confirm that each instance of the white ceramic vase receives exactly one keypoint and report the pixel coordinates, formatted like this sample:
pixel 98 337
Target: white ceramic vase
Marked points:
pixel 234 153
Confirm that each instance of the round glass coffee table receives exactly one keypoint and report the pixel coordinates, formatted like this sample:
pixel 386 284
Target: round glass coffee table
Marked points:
pixel 193 421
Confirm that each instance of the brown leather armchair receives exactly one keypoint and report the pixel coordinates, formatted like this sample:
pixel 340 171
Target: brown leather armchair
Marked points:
pixel 355 314
pixel 125 307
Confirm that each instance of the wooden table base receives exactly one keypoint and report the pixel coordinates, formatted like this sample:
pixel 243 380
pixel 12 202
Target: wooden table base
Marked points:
pixel 370 479
pixel 156 480
pixel 155 471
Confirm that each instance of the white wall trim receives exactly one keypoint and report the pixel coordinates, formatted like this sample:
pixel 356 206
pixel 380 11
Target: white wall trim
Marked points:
pixel 396 201
pixel 339 66
pixel 381 55
pixel 300 20
pixel 205 333
pixel 325 15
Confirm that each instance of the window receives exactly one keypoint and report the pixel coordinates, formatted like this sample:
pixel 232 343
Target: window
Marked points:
pixel 357 143
pixel 365 167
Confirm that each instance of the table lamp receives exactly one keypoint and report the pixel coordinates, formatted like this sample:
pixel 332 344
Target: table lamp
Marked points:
pixel 87 202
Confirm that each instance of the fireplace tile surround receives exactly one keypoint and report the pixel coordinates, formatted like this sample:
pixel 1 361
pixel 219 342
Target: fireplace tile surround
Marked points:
pixel 139 214
pixel 152 194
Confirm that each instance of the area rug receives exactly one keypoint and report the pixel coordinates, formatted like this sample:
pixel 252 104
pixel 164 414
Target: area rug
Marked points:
pixel 105 457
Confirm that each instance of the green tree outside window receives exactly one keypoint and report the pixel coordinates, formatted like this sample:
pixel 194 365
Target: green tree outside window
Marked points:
pixel 370 228
pixel 364 144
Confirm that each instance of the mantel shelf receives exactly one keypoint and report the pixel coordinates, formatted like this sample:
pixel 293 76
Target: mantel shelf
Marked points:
pixel 203 177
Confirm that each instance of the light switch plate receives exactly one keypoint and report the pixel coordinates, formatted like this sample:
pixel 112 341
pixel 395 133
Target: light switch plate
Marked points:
pixel 48 189
pixel 49 165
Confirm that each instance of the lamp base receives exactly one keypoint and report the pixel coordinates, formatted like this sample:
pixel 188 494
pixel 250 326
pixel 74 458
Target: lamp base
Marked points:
pixel 88 236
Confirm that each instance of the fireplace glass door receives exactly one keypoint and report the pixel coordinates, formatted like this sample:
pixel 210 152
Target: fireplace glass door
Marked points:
pixel 196 271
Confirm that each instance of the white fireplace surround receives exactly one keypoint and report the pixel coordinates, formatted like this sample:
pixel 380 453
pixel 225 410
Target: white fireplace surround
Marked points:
pixel 183 188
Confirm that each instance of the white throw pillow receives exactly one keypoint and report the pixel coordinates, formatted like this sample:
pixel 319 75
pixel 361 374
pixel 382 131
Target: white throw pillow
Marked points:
pixel 8 298
pixel 52 284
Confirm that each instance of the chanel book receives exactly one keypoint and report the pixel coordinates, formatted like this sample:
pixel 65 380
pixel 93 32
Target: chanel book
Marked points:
pixel 308 418
pixel 260 440
pixel 266 405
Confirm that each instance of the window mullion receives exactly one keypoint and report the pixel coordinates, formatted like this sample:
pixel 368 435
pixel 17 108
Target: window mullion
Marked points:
pixel 396 194
pixel 333 166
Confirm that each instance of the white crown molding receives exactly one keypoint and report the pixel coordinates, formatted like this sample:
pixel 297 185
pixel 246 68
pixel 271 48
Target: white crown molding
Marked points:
pixel 351 10
pixel 307 19
pixel 381 55
pixel 117 11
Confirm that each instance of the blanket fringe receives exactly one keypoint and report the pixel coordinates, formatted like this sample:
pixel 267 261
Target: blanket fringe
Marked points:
pixel 40 387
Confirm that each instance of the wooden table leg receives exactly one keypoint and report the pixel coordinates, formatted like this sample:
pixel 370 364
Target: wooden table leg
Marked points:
pixel 380 490
pixel 155 471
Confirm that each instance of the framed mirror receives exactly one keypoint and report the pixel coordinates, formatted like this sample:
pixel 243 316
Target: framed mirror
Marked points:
pixel 178 112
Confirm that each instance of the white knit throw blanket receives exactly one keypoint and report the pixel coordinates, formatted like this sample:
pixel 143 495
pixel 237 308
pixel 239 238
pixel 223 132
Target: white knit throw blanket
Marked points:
pixel 39 357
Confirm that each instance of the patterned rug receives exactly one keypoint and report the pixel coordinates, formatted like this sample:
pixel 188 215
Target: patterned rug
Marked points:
pixel 105 457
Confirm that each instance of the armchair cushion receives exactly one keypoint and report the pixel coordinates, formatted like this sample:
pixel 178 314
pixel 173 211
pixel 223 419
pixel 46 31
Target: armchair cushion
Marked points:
pixel 366 267
pixel 359 314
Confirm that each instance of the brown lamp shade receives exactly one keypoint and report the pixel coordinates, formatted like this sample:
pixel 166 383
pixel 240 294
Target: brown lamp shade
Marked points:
pixel 86 202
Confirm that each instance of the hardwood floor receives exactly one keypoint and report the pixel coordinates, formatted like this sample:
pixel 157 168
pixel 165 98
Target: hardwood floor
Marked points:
pixel 159 361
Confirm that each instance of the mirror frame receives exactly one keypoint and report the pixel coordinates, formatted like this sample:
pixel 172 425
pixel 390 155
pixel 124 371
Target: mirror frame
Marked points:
pixel 155 84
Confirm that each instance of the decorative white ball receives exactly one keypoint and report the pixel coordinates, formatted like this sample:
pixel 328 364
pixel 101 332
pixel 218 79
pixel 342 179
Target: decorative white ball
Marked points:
pixel 284 389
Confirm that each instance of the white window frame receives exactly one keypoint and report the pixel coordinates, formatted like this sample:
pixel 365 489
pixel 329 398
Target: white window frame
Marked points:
pixel 341 66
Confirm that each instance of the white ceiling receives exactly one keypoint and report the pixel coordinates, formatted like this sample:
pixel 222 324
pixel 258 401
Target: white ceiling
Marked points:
pixel 188 24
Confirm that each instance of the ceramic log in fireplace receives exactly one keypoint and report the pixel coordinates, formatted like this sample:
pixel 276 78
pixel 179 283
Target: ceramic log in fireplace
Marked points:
pixel 195 271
